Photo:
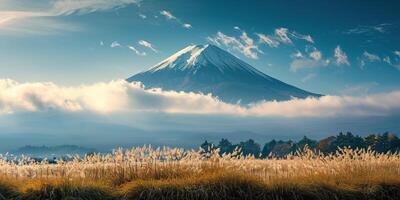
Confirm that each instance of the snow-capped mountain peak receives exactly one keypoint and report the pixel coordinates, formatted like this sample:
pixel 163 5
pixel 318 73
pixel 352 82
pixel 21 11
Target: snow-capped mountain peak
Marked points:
pixel 194 57
pixel 209 69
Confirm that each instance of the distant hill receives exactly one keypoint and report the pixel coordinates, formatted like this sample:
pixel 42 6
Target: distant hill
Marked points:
pixel 53 151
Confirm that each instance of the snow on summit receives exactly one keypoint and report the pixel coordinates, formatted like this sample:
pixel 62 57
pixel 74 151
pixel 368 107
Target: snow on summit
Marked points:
pixel 209 69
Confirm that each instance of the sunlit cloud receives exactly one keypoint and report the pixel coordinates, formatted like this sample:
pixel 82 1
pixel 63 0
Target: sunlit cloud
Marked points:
pixel 267 40
pixel 167 14
pixel 147 45
pixel 244 44
pixel 282 34
pixel 121 96
pixel 27 20
pixel 341 56
pixel 311 59
pixel 137 52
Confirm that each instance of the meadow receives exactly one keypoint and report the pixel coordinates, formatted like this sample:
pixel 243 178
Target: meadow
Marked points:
pixel 174 173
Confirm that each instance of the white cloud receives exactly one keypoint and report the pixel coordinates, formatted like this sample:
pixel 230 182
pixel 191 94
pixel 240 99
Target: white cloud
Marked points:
pixel 244 44
pixel 303 63
pixel 394 63
pixel 297 55
pixel 123 97
pixel 147 45
pixel 28 17
pixel 187 26
pixel 362 29
pixel 341 57
pixel 314 59
pixel 387 60
pixel 282 34
pixel 397 53
pixel 236 28
pixel 316 55
pixel 167 14
pixel 67 7
pixel 371 57
pixel 307 38
pixel 249 45
pixel 137 52
pixel 142 16
pixel 115 44
pixel 267 40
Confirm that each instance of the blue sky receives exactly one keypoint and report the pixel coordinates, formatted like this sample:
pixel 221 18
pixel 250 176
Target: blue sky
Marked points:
pixel 63 65
pixel 69 43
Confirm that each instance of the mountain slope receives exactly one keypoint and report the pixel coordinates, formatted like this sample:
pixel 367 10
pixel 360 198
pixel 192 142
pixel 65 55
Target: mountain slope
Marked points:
pixel 209 69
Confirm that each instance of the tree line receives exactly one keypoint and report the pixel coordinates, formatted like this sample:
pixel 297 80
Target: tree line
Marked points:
pixel 380 143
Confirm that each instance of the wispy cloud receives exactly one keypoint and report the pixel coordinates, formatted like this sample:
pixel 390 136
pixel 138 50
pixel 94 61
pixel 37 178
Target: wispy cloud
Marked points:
pixel 187 26
pixel 311 59
pixel 67 7
pixel 369 29
pixel 147 45
pixel 397 53
pixel 169 16
pixel 115 44
pixel 341 56
pixel 304 63
pixel 307 38
pixel 393 62
pixel 371 57
pixel 121 96
pixel 137 52
pixel 267 40
pixel 368 57
pixel 21 19
pixel 142 16
pixel 297 55
pixel 244 44
pixel 282 34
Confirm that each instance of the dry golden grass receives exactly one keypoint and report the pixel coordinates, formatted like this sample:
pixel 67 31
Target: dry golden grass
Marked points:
pixel 170 173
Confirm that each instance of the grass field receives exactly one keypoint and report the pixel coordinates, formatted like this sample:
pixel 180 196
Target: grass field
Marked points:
pixel 171 173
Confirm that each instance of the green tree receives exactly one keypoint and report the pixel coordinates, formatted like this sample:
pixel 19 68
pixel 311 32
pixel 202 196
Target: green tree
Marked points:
pixel 250 148
pixel 225 146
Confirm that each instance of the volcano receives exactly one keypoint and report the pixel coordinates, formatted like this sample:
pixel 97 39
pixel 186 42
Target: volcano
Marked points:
pixel 209 69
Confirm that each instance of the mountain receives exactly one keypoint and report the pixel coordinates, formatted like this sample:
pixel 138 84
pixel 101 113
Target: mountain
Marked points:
pixel 209 69
pixel 53 151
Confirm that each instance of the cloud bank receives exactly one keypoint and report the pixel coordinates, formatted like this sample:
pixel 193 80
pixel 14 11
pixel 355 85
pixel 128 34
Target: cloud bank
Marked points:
pixel 122 97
